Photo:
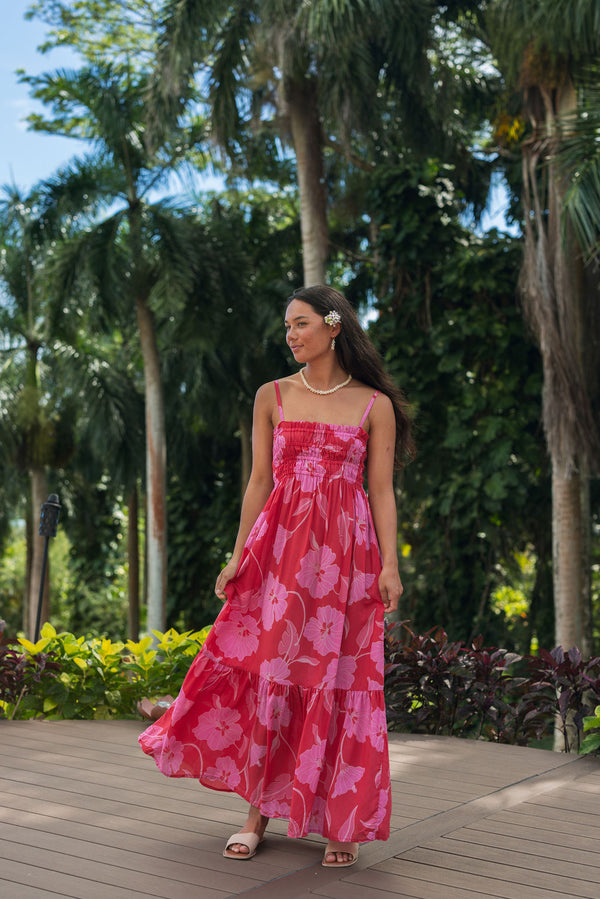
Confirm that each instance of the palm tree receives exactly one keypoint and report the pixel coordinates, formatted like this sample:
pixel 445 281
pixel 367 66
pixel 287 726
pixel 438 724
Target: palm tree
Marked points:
pixel 135 255
pixel 543 49
pixel 314 73
pixel 36 423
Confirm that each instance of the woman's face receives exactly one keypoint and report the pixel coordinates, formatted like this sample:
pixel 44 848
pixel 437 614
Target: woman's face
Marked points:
pixel 307 335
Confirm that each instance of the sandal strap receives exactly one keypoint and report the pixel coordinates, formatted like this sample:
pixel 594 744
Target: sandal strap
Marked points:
pixel 348 848
pixel 250 840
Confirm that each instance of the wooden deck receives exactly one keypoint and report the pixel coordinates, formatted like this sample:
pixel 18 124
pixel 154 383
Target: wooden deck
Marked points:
pixel 84 813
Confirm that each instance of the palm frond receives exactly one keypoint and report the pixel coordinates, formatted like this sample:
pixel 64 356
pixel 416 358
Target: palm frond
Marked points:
pixel 96 261
pixel 579 161
pixel 186 31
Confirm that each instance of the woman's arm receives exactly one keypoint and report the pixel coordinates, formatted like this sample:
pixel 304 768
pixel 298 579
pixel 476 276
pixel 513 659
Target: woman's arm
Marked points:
pixel 380 478
pixel 260 484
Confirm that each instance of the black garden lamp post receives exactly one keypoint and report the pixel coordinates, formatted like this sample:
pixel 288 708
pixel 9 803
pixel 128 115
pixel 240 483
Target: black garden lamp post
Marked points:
pixel 48 524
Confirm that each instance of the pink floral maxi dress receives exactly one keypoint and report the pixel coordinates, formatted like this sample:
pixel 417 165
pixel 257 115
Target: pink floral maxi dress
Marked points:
pixel 284 703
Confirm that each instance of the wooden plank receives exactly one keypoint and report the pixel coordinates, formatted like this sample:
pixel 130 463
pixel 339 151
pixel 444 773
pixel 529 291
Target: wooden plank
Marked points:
pixel 83 793
pixel 566 801
pixel 201 864
pixel 535 808
pixel 75 887
pixel 500 872
pixel 577 869
pixel 165 843
pixel 57 866
pixel 531 829
pixel 443 790
pixel 344 890
pixel 511 839
pixel 23 891
pixel 423 882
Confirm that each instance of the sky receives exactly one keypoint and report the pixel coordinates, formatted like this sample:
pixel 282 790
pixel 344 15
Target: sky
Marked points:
pixel 27 156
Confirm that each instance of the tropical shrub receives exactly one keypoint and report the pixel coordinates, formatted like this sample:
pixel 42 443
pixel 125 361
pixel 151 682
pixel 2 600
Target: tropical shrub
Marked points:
pixel 573 684
pixel 63 676
pixel 591 743
pixel 437 686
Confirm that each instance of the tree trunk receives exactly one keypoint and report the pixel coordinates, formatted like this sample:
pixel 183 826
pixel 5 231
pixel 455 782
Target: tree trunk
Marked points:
pixel 553 286
pixel 156 470
pixel 39 495
pixel 306 136
pixel 133 560
pixel 568 546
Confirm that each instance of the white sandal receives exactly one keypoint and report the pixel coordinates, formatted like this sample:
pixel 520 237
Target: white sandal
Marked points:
pixel 250 840
pixel 350 849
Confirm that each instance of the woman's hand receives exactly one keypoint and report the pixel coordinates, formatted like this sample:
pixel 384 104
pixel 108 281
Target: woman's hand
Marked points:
pixel 225 576
pixel 390 587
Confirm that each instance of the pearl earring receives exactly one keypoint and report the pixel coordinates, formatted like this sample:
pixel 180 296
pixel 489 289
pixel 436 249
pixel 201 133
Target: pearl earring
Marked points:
pixel 333 343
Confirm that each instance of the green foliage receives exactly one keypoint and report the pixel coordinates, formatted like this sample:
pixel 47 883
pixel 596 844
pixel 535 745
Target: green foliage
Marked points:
pixel 93 597
pixel 123 30
pixel 96 678
pixel 12 581
pixel 211 377
pixel 573 683
pixel 453 338
pixel 438 686
pixel 591 743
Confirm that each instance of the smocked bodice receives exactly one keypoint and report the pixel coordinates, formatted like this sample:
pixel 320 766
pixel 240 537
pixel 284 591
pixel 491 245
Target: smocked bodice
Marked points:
pixel 315 454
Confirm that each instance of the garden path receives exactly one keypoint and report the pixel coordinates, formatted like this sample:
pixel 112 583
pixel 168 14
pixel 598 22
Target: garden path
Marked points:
pixel 84 814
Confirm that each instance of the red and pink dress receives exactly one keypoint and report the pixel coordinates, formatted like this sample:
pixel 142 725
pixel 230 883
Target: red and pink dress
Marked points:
pixel 284 703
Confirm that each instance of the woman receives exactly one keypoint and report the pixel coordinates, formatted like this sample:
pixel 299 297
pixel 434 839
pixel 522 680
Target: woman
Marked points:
pixel 284 704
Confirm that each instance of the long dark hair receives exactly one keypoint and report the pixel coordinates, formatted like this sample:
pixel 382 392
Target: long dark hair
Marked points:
pixel 357 356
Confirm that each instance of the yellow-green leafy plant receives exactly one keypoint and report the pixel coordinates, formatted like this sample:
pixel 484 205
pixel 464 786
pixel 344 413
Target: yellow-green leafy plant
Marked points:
pixel 98 678
pixel 591 742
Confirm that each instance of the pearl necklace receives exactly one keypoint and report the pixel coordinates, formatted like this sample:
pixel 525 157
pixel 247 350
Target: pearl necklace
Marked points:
pixel 323 392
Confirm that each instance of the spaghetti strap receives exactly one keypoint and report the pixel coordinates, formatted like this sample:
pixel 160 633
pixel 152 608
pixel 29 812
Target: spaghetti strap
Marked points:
pixel 279 406
pixel 368 409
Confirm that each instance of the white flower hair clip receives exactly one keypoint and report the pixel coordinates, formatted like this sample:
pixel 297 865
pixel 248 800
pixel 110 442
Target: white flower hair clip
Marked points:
pixel 333 318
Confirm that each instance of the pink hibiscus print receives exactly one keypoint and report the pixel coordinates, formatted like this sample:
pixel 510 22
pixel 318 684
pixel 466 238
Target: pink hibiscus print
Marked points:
pixel 308 769
pixel 171 756
pixel 317 815
pixel 273 711
pixel 275 671
pixel 260 527
pixel 325 630
pixel 378 816
pixel 278 446
pixel 238 635
pixel 281 538
pixel 346 781
pixel 219 728
pixel 340 673
pixel 274 601
pixel 275 809
pixel 319 572
pixel 356 723
pixel 225 772
pixel 359 587
pixel 361 528
pixel 257 753
pixel 308 472
pixel 181 706
pixel 350 468
pixel 378 735
pixel 377 655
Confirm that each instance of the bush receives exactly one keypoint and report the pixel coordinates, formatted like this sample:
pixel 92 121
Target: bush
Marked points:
pixel 592 723
pixel 436 686
pixel 63 676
